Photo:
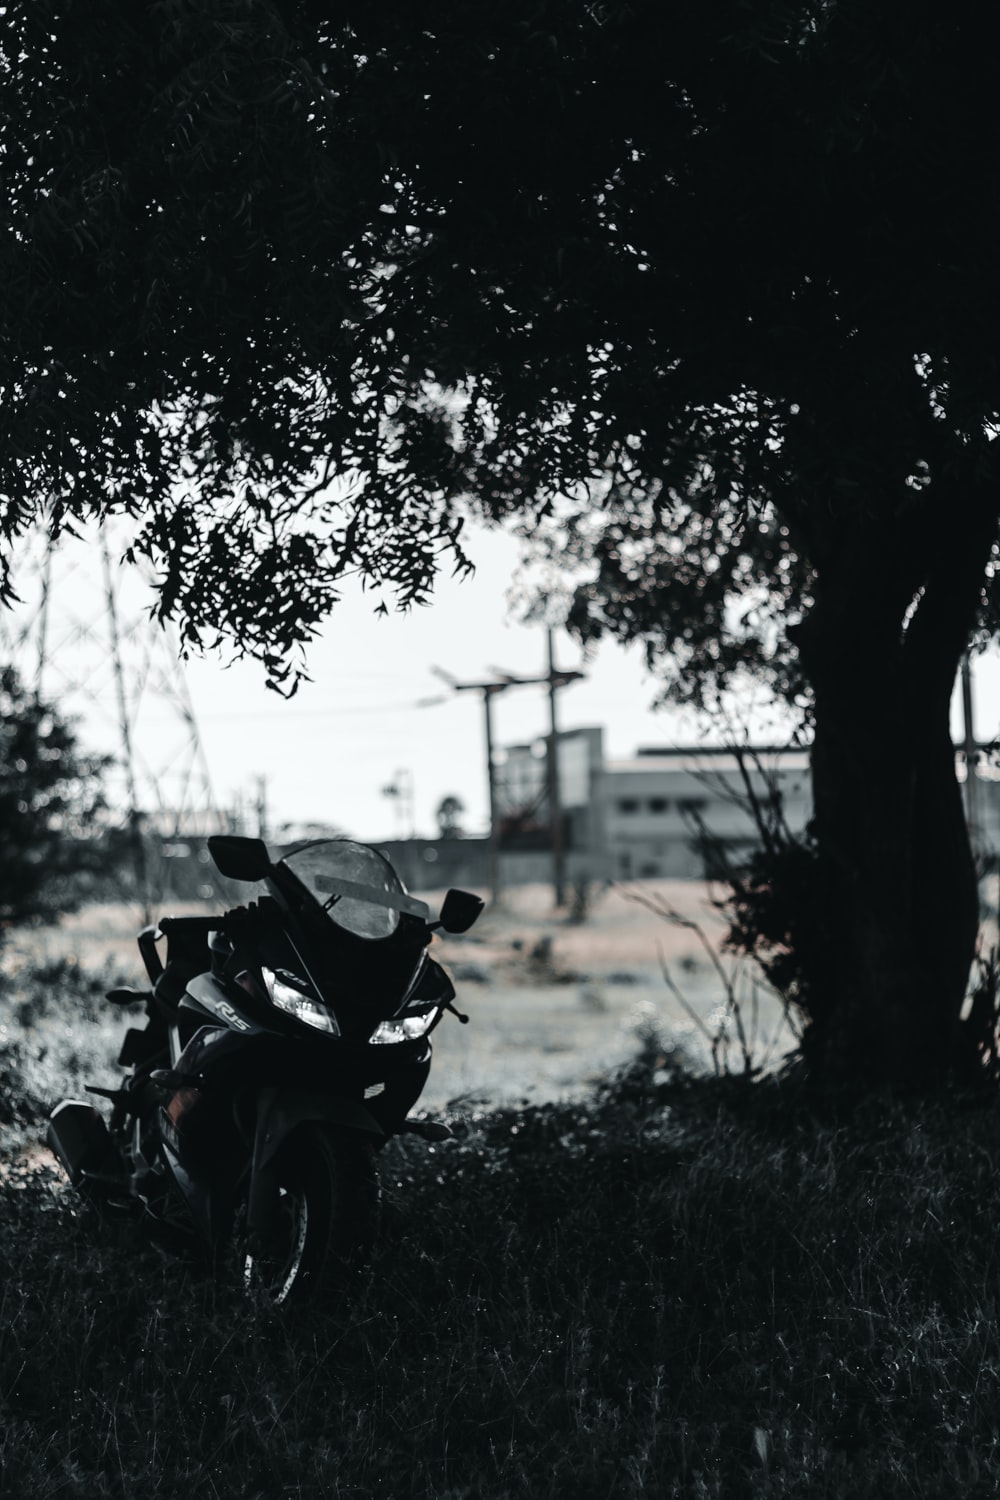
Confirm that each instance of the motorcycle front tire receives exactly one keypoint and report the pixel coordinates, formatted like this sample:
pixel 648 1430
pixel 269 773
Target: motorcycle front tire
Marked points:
pixel 326 1221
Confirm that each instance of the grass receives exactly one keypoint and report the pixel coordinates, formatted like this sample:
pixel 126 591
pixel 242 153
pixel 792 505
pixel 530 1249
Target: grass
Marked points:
pixel 681 1287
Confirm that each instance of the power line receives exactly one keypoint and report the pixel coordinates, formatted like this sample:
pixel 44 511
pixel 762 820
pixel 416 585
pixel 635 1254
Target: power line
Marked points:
pixel 331 712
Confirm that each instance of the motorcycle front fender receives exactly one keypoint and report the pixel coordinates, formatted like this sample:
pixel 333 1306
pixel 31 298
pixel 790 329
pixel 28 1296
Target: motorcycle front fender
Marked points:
pixel 279 1112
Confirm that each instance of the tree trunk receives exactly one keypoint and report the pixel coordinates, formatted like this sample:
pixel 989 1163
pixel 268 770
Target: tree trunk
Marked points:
pixel 900 880
pixel 898 883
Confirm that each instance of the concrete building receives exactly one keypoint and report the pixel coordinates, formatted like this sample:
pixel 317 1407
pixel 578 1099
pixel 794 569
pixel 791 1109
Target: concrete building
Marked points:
pixel 621 820
pixel 658 806
pixel 643 817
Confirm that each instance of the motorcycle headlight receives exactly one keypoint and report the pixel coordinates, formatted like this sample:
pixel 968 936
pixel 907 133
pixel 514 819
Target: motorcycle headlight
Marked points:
pixel 402 1029
pixel 285 994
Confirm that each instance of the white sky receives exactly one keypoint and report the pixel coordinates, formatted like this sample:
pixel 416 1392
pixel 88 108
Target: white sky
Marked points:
pixel 327 753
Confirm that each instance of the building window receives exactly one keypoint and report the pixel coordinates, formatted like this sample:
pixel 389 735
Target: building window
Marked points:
pixel 659 804
pixel 692 805
pixel 628 804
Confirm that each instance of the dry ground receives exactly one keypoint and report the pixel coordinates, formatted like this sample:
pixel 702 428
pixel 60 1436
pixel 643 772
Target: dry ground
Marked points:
pixel 557 1004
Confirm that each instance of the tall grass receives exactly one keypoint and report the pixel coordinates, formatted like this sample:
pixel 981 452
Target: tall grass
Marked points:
pixel 683 1287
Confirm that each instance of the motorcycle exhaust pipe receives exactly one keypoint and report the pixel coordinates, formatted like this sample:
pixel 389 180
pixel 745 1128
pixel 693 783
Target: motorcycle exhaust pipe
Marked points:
pixel 79 1139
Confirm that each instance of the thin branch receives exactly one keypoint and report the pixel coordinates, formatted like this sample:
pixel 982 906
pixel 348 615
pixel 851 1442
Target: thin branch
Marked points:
pixel 671 914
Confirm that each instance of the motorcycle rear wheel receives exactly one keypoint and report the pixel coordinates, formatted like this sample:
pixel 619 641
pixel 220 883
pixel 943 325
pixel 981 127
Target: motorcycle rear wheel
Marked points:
pixel 326 1221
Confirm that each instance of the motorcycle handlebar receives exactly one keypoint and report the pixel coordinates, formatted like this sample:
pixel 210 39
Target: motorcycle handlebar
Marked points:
pixel 229 922
pixel 192 924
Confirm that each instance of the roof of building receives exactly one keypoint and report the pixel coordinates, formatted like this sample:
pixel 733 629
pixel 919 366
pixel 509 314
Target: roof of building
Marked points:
pixel 675 751
pixel 714 758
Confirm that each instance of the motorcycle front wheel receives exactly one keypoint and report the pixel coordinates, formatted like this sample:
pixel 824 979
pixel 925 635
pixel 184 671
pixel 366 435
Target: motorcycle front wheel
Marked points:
pixel 326 1221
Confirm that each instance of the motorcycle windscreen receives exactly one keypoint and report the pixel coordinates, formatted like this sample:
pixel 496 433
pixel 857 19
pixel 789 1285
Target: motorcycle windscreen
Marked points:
pixel 356 887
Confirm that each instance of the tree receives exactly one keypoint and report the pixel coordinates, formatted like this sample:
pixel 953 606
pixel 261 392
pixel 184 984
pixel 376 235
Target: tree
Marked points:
pixel 712 284
pixel 50 794
pixel 449 817
pixel 836 526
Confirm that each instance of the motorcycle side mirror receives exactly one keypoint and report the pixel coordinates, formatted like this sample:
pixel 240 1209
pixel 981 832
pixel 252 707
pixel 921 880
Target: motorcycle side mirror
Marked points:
pixel 459 910
pixel 239 858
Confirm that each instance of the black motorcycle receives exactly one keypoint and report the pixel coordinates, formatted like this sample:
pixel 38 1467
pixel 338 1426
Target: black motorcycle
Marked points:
pixel 286 1041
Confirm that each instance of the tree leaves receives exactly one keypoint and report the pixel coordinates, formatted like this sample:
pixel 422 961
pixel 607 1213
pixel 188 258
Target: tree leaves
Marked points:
pixel 290 285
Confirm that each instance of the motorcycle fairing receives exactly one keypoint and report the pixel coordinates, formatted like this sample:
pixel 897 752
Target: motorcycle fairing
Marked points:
pixel 431 986
pixel 216 1055
pixel 217 1000
pixel 216 1059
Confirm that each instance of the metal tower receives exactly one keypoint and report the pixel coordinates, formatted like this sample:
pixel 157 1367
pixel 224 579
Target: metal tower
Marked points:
pixel 84 638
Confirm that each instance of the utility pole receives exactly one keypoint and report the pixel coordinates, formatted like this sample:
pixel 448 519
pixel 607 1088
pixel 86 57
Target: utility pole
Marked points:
pixel 401 790
pixel 552 771
pixel 489 691
pixel 499 684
